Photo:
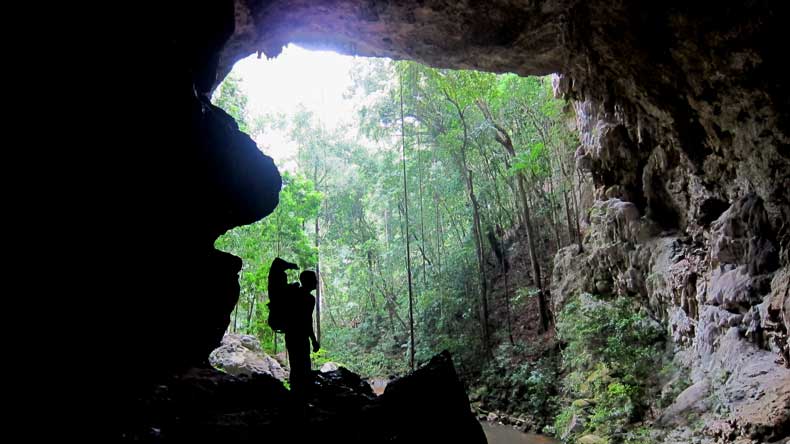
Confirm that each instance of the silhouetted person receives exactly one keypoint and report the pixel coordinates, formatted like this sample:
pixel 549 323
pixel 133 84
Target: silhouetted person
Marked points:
pixel 299 332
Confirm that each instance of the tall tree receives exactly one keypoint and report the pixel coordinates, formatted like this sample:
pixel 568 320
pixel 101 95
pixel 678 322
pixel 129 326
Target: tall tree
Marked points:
pixel 408 241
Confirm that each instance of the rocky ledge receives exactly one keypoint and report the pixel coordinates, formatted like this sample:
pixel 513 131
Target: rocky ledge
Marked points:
pixel 205 404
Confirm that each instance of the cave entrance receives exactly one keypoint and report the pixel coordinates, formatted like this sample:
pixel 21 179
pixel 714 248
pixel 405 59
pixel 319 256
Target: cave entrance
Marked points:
pixel 407 188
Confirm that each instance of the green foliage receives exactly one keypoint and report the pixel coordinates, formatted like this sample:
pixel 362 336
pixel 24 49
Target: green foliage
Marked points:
pixel 523 294
pixel 322 356
pixel 516 384
pixel 445 128
pixel 232 99
pixel 618 335
pixel 639 435
pixel 563 419
pixel 610 358
pixel 614 406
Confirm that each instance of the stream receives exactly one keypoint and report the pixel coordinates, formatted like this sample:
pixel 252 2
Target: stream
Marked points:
pixel 502 434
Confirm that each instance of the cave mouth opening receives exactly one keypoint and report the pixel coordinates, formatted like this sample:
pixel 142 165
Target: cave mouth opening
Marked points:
pixel 478 147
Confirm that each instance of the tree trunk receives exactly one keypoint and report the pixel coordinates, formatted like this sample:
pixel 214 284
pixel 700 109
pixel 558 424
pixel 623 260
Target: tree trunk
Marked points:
pixel 318 257
pixel 422 219
pixel 249 313
pixel 480 256
pixel 499 238
pixel 439 241
pixel 317 286
pixel 408 243
pixel 533 257
pixel 437 217
pixel 388 233
pixel 554 218
pixel 455 223
pixel 507 301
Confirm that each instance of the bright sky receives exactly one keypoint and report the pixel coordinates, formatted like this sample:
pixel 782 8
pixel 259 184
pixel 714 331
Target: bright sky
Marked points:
pixel 316 79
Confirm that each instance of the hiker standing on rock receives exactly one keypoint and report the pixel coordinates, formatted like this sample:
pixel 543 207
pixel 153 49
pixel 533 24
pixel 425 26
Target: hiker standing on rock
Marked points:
pixel 291 311
pixel 299 332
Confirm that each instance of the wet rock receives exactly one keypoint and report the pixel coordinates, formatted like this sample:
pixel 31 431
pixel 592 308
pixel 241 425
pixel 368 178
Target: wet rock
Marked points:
pixel 603 287
pixel 525 424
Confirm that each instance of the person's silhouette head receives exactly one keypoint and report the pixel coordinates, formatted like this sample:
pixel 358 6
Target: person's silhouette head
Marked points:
pixel 308 280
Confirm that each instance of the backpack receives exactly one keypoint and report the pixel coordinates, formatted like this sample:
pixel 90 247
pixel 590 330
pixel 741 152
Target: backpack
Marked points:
pixel 280 307
pixel 277 320
pixel 280 296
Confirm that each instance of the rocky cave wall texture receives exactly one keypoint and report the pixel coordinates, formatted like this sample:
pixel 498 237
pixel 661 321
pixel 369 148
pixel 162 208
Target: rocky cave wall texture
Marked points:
pixel 686 142
pixel 684 116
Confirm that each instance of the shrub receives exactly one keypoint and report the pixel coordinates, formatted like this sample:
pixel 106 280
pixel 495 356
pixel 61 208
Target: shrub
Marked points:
pixel 516 384
pixel 612 350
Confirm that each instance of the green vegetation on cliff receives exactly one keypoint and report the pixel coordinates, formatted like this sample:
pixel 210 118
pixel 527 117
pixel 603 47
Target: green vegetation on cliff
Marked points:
pixel 612 352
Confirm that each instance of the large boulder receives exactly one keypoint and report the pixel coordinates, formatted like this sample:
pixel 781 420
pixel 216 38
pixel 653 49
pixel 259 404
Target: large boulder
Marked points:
pixel 434 404
pixel 242 355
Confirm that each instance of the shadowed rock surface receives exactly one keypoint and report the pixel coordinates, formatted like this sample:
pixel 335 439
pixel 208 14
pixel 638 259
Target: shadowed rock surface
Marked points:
pixel 203 404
